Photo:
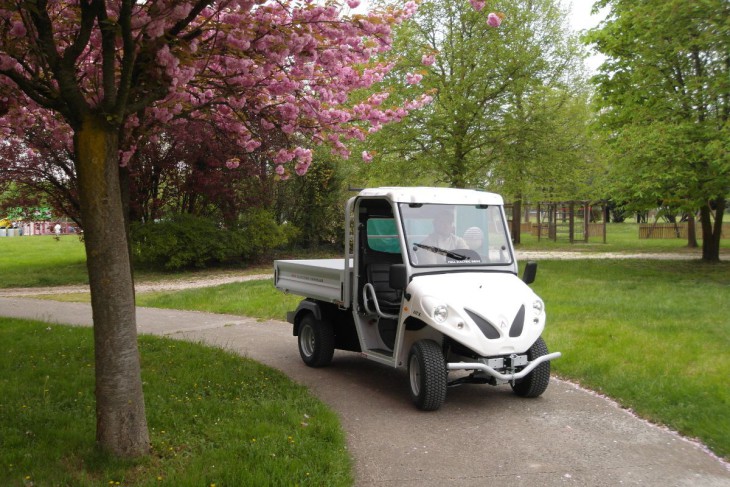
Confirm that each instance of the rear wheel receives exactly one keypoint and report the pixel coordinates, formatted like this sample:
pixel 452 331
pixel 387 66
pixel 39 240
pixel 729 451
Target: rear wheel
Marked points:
pixel 428 375
pixel 535 383
pixel 316 341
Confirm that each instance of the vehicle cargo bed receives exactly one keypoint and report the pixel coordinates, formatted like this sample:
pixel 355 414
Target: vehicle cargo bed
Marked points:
pixel 321 279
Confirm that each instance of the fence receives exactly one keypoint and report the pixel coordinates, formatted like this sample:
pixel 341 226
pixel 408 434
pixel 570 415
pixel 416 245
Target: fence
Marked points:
pixel 672 230
pixel 25 229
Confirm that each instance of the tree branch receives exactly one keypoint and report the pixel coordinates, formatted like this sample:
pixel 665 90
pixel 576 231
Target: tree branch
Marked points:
pixel 75 107
pixel 129 57
pixel 108 30
pixel 72 53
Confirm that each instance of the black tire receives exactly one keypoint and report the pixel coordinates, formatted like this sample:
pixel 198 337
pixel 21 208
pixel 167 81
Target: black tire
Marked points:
pixel 428 375
pixel 316 341
pixel 535 383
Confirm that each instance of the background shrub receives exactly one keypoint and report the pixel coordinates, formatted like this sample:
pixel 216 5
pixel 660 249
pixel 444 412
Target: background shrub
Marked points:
pixel 189 241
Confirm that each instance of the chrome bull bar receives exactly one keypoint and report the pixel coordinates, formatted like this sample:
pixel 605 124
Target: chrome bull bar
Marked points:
pixel 498 375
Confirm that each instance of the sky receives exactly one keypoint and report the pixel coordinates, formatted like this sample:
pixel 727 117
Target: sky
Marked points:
pixel 580 18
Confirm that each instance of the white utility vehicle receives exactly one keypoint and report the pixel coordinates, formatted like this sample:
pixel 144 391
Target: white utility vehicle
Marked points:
pixel 428 282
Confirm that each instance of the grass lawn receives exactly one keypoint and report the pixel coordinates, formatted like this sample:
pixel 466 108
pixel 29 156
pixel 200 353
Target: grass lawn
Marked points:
pixel 215 418
pixel 41 261
pixel 257 299
pixel 653 335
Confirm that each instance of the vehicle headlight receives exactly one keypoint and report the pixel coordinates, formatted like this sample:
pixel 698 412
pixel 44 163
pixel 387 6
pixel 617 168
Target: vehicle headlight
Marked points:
pixel 440 313
pixel 537 309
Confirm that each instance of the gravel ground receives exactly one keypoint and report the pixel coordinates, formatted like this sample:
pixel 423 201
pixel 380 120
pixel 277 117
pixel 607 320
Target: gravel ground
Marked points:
pixel 140 287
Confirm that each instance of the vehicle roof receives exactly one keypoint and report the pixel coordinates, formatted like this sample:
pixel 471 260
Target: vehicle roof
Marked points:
pixel 434 195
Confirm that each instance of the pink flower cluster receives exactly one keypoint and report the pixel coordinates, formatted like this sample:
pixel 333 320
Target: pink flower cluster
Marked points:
pixel 413 78
pixel 268 75
pixel 494 20
pixel 477 4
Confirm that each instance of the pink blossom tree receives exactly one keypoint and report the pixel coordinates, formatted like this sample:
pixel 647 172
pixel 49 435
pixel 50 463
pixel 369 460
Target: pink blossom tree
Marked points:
pixel 100 77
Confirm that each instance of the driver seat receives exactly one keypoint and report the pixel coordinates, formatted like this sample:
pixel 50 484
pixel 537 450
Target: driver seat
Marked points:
pixel 389 300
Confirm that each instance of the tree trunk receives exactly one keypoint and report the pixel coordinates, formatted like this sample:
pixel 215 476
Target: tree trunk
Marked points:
pixel 517 221
pixel 691 231
pixel 121 425
pixel 711 233
pixel 126 195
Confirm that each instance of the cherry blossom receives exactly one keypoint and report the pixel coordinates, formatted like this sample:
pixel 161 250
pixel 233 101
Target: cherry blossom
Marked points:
pixel 477 4
pixel 494 20
pixel 413 78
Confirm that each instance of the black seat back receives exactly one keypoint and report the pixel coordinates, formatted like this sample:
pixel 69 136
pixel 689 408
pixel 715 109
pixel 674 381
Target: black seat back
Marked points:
pixel 379 276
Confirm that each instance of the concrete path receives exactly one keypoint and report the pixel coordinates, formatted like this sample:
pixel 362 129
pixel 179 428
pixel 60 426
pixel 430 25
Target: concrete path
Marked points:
pixel 482 436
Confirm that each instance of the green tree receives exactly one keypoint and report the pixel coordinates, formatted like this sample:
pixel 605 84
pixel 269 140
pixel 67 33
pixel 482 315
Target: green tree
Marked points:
pixel 314 203
pixel 664 101
pixel 507 112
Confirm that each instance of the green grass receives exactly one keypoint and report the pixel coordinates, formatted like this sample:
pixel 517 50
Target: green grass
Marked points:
pixel 654 335
pixel 214 417
pixel 257 299
pixel 42 261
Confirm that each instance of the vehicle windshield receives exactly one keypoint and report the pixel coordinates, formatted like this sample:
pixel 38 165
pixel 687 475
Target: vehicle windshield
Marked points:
pixel 455 235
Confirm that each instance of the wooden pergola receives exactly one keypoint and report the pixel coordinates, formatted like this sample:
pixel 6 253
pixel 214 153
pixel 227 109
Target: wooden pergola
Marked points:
pixel 574 221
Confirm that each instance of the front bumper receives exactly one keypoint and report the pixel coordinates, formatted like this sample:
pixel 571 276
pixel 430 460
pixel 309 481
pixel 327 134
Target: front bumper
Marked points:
pixel 483 367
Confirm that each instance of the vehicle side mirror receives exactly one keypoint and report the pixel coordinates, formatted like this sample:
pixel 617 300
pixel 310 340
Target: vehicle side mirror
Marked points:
pixel 398 279
pixel 528 277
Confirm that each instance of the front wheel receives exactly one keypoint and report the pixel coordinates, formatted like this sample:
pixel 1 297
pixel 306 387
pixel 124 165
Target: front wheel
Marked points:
pixel 534 383
pixel 428 375
pixel 316 341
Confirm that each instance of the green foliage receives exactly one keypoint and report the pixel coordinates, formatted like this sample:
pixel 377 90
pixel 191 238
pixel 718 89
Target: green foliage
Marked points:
pixel 215 418
pixel 314 203
pixel 187 241
pixel 39 213
pixel 261 234
pixel 664 105
pixel 509 111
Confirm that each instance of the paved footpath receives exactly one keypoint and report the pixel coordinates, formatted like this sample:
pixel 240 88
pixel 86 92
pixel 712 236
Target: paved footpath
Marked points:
pixel 482 436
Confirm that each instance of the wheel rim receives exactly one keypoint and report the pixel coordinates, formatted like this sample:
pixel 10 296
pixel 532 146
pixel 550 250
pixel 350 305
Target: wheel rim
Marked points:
pixel 414 369
pixel 307 340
